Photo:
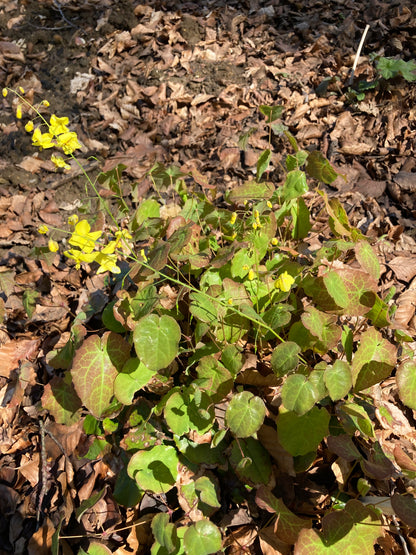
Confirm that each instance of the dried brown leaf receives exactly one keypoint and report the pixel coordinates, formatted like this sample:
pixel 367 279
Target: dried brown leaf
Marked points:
pixel 406 304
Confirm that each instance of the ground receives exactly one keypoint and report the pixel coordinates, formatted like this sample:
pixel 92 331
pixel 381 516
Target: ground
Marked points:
pixel 178 83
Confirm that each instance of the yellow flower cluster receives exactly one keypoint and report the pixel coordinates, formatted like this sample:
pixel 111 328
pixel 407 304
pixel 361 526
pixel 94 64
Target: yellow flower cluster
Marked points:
pixel 284 282
pixel 85 242
pixel 256 223
pixel 85 239
pixel 58 135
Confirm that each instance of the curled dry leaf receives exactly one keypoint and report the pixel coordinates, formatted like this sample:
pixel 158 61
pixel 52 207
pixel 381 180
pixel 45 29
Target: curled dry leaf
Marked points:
pixel 15 351
pixel 406 304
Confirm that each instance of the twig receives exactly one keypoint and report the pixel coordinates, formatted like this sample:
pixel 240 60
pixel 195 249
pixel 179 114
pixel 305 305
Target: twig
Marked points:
pixel 43 473
pixel 57 5
pixel 402 539
pixel 357 55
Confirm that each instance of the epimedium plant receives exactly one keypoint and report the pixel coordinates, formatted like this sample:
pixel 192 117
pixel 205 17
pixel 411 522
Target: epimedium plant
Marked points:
pixel 386 69
pixel 231 348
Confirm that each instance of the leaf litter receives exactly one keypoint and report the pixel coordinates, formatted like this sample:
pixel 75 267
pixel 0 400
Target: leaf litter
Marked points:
pixel 178 84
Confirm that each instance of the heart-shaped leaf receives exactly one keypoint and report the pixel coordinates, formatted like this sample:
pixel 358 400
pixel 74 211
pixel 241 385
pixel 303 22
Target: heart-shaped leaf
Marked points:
pixel 203 538
pixel 156 340
pixel 156 469
pixel 95 367
pixel 245 414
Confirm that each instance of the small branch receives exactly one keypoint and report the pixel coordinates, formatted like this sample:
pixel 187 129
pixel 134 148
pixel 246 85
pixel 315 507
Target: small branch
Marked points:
pixel 43 473
pixel 357 55
pixel 58 6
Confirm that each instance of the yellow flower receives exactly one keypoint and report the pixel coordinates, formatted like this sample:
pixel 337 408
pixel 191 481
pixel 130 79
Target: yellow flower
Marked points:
pixel 284 282
pixel 269 204
pixel 123 234
pixel 80 256
pixel 233 236
pixel 68 142
pixel 29 126
pixel 22 90
pixel 45 103
pixel 233 218
pixel 251 275
pixel 274 241
pixel 19 112
pixel 60 162
pixel 230 301
pixel 43 229
pixel 4 92
pixel 73 220
pixel 53 245
pixel 107 260
pixel 42 140
pixel 83 238
pixel 255 226
pixel 143 255
pixel 58 125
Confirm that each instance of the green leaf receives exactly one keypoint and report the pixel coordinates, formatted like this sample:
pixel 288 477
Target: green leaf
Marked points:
pixel 272 113
pixel 126 491
pixel 251 461
pixel 96 548
pixel 89 503
pixel 143 302
pixel 133 377
pixel 164 531
pixel 367 259
pixel 242 262
pixel 406 383
pixel 263 163
pixel 351 289
pixel 214 378
pixel 298 394
pixel 232 359
pixel 245 414
pixel 94 369
pixel 317 166
pixel 294 186
pixel 156 469
pixel 352 530
pixel 323 326
pixel 184 412
pixel 251 191
pixel 202 538
pixel 149 208
pixel 156 340
pixel 354 417
pixel 408 70
pixel 285 358
pixel 379 313
pixel 109 321
pixel 338 379
pixel 60 399
pixel 203 308
pixel 295 161
pixel 301 434
pixel 207 492
pixel 374 360
pixel 300 218
pixel 347 340
pixel 55 538
pixel 29 301
pixel 287 525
